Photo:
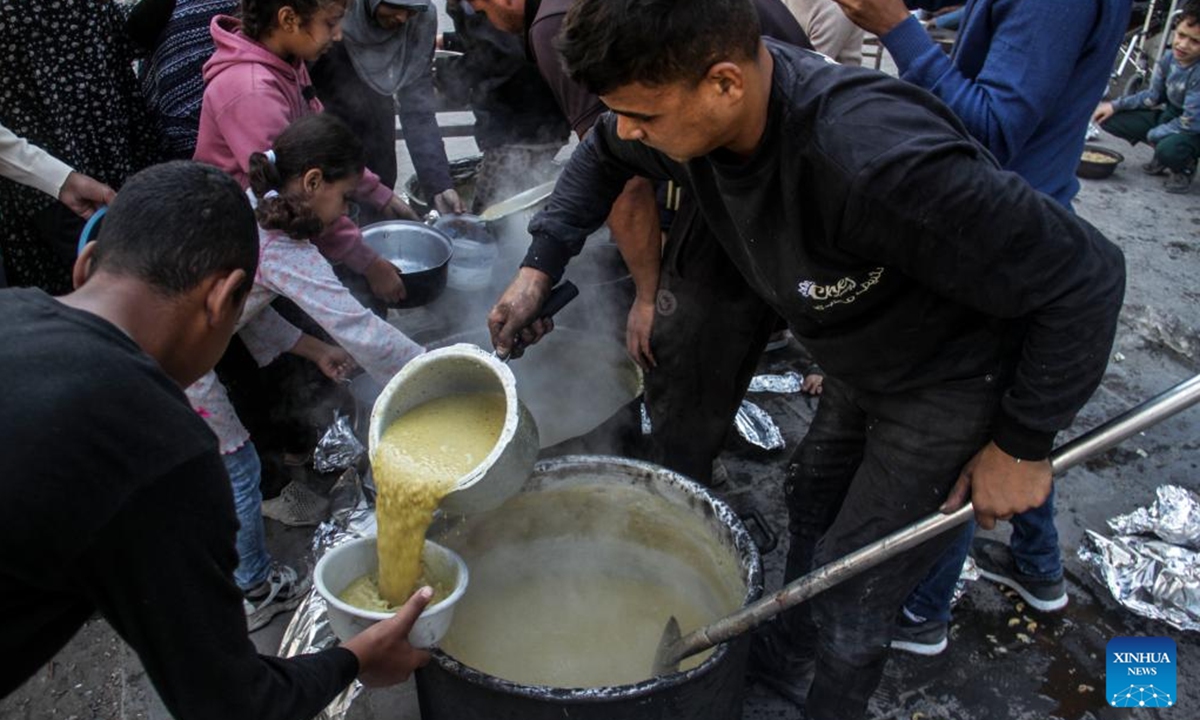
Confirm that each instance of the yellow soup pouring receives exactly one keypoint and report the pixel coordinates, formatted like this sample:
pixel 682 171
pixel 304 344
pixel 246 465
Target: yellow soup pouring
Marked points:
pixel 418 461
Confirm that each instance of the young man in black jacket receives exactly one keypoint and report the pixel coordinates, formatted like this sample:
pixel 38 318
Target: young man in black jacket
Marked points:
pixel 962 318
pixel 112 494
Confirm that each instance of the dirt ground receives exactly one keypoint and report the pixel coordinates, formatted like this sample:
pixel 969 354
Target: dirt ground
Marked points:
pixel 987 672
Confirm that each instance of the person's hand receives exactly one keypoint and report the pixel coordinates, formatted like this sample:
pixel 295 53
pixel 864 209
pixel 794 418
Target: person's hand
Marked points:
pixel 335 362
pixel 1103 112
pixel 385 282
pixel 448 202
pixel 83 195
pixel 516 312
pixel 1000 486
pixel 384 654
pixel 637 333
pixel 813 383
pixel 875 16
pixel 398 209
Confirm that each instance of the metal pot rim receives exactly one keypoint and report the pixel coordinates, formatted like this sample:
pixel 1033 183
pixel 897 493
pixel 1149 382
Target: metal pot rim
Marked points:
pixel 748 556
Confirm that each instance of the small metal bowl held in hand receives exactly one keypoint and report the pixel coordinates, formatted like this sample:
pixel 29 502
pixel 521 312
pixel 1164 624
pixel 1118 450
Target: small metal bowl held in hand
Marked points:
pixel 422 254
pixel 1098 162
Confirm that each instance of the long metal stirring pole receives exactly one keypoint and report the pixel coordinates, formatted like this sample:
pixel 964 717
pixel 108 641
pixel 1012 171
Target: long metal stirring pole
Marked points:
pixel 1135 420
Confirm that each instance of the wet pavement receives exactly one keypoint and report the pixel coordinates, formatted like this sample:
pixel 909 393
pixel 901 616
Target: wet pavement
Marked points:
pixel 1040 666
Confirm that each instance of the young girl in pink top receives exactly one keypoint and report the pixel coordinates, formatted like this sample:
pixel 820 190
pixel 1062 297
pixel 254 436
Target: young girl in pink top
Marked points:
pixel 255 84
pixel 300 188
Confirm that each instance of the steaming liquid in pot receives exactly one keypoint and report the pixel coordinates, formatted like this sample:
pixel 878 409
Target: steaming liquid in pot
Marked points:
pixel 577 612
pixel 420 458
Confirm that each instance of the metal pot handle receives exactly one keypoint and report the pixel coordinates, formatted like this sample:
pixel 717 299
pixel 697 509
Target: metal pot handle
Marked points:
pixel 765 539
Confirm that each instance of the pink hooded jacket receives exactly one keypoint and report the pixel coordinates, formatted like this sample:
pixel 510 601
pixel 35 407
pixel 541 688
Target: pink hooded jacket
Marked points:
pixel 250 96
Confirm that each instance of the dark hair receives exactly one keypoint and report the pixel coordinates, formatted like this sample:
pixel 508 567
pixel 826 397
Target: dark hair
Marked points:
pixel 1190 12
pixel 172 225
pixel 320 141
pixel 258 16
pixel 606 44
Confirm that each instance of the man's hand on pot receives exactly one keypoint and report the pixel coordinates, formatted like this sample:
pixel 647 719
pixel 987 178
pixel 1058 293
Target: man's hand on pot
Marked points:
pixel 448 202
pixel 384 654
pixel 1000 486
pixel 398 209
pixel 385 282
pixel 516 313
pixel 637 333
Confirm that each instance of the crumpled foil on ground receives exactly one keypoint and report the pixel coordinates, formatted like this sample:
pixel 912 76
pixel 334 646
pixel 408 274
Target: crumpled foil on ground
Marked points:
pixel 970 573
pixel 757 428
pixel 789 382
pixel 1152 566
pixel 1174 517
pixel 352 515
pixel 338 448
pixel 647 426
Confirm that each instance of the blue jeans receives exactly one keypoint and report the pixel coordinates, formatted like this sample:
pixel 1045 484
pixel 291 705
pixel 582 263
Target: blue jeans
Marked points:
pixel 1035 551
pixel 245 475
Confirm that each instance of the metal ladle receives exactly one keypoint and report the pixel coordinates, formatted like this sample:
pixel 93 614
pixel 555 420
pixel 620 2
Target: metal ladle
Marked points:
pixel 672 648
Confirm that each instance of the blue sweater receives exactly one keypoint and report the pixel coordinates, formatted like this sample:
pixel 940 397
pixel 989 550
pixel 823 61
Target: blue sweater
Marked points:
pixel 1024 77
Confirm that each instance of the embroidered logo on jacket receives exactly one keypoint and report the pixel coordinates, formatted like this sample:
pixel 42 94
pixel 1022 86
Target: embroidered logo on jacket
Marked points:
pixel 843 292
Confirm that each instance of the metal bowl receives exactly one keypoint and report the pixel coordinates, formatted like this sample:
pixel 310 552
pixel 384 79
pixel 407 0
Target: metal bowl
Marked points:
pixel 1095 169
pixel 422 253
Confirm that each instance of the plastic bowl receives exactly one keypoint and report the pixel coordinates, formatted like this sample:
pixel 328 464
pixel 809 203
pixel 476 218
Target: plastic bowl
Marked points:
pixel 352 559
pixel 1094 168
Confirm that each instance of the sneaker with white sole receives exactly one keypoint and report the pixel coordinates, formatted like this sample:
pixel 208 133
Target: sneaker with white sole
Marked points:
pixel 920 637
pixel 280 592
pixel 995 562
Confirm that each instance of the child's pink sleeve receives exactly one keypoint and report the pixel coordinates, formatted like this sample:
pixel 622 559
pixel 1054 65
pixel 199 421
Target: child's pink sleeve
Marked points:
pixel 342 242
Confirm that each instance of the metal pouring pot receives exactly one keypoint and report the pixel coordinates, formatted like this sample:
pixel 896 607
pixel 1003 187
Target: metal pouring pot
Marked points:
pixel 459 369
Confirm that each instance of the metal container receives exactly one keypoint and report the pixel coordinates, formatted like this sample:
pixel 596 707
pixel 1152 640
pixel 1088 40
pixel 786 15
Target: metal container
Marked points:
pixel 459 369
pixel 420 252
pixel 696 525
pixel 1097 163
pixel 463 173
pixel 571 381
pixel 475 251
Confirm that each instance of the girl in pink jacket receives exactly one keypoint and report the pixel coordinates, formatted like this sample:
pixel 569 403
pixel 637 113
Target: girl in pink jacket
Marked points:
pixel 256 83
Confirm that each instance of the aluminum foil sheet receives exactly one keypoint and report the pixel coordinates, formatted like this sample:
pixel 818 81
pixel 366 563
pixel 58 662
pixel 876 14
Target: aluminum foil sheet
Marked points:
pixel 789 382
pixel 970 573
pixel 1152 566
pixel 1150 577
pixel 647 426
pixel 756 426
pixel 1173 517
pixel 352 515
pixel 338 448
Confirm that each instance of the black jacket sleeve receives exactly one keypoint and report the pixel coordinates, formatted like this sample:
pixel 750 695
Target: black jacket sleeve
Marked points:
pixel 934 207
pixel 161 573
pixel 583 196
pixel 422 136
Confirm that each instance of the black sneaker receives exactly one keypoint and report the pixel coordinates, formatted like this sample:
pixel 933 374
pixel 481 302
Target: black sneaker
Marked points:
pixel 1177 182
pixel 774 665
pixel 1154 167
pixel 921 638
pixel 995 562
pixel 281 591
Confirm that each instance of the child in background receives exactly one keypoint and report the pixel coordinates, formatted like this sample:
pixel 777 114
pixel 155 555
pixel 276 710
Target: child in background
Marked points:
pixel 255 84
pixel 301 187
pixel 1167 114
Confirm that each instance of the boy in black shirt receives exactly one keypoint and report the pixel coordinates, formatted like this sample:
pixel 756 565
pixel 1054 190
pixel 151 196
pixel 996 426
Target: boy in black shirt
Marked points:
pixel 113 498
pixel 962 318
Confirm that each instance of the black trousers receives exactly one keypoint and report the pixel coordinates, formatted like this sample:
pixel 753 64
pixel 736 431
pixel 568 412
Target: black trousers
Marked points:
pixel 871 464
pixel 709 332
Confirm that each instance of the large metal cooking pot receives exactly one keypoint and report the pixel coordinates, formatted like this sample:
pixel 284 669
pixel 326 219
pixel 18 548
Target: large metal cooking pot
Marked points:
pixel 606 500
pixel 420 252
pixel 571 381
